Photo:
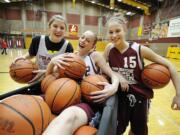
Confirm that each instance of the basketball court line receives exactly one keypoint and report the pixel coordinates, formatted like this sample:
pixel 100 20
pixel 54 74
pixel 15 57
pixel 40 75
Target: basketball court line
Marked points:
pixel 4 72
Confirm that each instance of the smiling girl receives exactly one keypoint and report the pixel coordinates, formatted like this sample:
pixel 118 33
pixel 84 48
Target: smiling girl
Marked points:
pixel 44 48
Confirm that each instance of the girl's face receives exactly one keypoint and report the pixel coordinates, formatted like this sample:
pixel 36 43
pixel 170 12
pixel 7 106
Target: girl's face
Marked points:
pixel 57 30
pixel 86 42
pixel 116 32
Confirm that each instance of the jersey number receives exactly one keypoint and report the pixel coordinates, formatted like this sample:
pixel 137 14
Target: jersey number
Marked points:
pixel 131 60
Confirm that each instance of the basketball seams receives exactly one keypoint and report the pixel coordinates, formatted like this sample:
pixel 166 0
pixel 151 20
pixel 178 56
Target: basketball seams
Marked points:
pixel 46 82
pixel 21 68
pixel 72 72
pixel 154 80
pixel 16 69
pixel 158 70
pixel 58 90
pixel 83 65
pixel 145 74
pixel 19 113
pixel 69 101
pixel 42 115
pixel 23 77
pixel 91 84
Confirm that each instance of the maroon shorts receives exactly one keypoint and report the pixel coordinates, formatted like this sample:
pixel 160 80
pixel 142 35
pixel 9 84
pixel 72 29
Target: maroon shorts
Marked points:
pixel 132 109
pixel 87 109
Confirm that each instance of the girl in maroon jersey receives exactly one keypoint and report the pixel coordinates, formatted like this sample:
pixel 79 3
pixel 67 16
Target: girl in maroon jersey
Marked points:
pixel 77 115
pixel 126 58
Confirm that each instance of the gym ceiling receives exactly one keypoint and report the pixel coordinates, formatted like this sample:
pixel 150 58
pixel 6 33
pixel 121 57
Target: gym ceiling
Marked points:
pixel 128 7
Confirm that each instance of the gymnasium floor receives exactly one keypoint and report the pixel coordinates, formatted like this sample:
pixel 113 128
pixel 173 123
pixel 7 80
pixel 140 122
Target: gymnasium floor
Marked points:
pixel 162 120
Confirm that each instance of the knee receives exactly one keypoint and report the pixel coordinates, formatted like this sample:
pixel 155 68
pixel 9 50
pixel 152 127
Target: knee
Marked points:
pixel 68 116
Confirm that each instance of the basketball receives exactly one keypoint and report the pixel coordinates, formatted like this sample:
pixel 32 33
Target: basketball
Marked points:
pixel 85 130
pixel 62 93
pixel 21 70
pixel 46 82
pixel 89 84
pixel 155 76
pixel 77 68
pixel 23 115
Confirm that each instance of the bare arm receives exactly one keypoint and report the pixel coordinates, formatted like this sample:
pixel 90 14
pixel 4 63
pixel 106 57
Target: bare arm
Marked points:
pixel 58 62
pixel 123 82
pixel 109 89
pixel 175 77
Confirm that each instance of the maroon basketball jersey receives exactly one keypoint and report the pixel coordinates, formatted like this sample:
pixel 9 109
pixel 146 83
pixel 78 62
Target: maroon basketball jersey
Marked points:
pixel 130 65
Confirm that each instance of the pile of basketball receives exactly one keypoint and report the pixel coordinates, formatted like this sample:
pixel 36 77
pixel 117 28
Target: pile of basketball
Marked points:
pixel 64 90
pixel 60 93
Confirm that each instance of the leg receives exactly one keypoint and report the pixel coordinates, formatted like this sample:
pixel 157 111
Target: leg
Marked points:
pixel 139 118
pixel 5 51
pixel 2 51
pixel 123 114
pixel 67 122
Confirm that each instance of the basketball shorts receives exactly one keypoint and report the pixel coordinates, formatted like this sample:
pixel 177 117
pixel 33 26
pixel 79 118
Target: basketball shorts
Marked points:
pixel 134 110
pixel 87 109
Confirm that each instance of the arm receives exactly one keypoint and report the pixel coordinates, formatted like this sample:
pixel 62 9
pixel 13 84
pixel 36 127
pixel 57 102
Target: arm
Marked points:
pixel 109 89
pixel 58 62
pixel 123 82
pixel 152 56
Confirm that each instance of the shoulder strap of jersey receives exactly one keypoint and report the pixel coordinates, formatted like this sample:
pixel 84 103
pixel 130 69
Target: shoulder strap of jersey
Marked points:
pixel 64 46
pixel 96 70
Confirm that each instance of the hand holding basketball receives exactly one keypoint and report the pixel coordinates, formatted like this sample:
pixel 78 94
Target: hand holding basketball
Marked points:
pixel 61 60
pixel 101 96
pixel 90 84
pixel 22 70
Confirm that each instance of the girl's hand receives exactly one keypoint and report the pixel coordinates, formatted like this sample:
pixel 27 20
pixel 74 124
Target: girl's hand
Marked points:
pixel 102 95
pixel 61 60
pixel 40 75
pixel 176 103
pixel 124 84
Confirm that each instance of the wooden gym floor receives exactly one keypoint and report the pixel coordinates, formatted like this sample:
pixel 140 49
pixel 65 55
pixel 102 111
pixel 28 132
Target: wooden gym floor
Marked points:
pixel 162 120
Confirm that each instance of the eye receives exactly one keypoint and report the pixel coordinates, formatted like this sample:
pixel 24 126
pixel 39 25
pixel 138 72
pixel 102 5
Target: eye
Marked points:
pixel 62 28
pixel 55 26
pixel 110 32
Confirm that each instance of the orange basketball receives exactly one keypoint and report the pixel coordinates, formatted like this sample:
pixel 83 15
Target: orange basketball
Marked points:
pixel 85 130
pixel 155 76
pixel 46 82
pixel 23 115
pixel 77 68
pixel 89 84
pixel 21 70
pixel 62 93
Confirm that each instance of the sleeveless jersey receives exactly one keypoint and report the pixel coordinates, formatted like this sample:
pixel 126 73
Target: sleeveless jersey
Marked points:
pixel 130 65
pixel 91 68
pixel 43 57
